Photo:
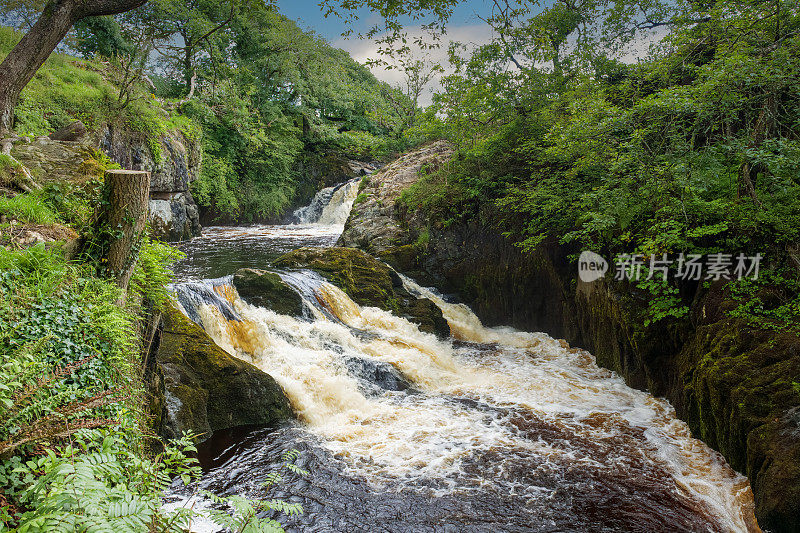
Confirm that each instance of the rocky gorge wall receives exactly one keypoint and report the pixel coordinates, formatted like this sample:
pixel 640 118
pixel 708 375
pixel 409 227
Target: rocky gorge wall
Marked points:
pixel 173 160
pixel 174 163
pixel 738 388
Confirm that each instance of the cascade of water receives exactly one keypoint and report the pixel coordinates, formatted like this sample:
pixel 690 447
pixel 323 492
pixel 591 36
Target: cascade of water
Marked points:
pixel 310 214
pixel 496 407
pixel 330 206
pixel 338 209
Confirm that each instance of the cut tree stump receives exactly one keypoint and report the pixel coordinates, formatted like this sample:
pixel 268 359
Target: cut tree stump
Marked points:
pixel 126 218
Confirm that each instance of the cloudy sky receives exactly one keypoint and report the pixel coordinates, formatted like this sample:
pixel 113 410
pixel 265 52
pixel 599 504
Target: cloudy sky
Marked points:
pixel 465 26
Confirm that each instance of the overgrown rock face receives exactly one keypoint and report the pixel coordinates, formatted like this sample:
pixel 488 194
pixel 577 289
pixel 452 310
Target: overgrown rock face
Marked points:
pixel 173 215
pixel 174 163
pixel 200 388
pixel 54 161
pixel 373 225
pixel 739 390
pixel 368 282
pixel 267 290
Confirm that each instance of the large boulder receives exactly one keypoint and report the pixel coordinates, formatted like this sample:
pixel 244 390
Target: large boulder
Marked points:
pixel 201 388
pixel 267 290
pixel 374 223
pixel 368 282
pixel 52 161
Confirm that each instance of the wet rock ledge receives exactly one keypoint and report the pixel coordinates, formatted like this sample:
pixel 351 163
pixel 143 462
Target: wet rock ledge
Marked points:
pixel 368 282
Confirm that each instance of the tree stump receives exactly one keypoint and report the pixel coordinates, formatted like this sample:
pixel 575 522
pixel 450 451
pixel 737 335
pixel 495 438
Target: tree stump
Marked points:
pixel 125 218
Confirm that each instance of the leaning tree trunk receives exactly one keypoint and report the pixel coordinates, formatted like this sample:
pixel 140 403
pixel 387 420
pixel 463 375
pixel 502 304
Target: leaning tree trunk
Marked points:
pixel 24 60
pixel 123 222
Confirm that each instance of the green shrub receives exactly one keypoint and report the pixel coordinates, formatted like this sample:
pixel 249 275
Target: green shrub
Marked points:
pixel 152 273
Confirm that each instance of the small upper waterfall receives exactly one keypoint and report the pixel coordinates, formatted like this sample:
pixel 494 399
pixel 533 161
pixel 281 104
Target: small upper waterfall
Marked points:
pixel 330 206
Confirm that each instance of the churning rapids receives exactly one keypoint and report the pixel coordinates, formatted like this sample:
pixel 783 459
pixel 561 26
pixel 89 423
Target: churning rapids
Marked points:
pixel 490 430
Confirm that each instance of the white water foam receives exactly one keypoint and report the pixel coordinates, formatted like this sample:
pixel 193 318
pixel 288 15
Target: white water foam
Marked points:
pixel 589 419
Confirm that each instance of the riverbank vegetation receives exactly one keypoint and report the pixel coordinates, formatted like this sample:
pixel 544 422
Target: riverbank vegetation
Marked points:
pixel 692 150
pixel 265 100
pixel 74 439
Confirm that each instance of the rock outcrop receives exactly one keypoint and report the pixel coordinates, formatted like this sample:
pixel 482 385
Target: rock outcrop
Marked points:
pixel 174 162
pixel 52 161
pixel 737 387
pixel 368 282
pixel 373 225
pixel 196 386
pixel 267 290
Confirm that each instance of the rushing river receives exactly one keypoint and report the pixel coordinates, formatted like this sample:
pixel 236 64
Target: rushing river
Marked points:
pixel 490 430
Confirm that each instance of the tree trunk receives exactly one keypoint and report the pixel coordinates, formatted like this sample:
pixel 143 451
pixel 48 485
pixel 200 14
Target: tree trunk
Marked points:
pixel 189 75
pixel 126 217
pixel 36 46
pixel 762 129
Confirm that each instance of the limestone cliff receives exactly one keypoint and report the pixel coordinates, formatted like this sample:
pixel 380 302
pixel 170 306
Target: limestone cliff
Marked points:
pixel 374 225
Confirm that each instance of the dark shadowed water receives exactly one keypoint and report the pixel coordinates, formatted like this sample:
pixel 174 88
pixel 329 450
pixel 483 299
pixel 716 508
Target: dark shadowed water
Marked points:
pixel 222 250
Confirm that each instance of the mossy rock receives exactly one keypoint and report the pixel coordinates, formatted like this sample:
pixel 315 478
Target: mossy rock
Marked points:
pixel 365 279
pixel 369 283
pixel 267 290
pixel 737 393
pixel 205 388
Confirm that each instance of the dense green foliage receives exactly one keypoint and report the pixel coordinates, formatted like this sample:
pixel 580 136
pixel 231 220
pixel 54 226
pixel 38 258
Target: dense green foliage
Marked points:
pixel 76 453
pixel 263 97
pixel 273 95
pixel 694 150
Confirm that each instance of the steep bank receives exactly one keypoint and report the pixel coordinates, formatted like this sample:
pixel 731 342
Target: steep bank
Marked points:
pixel 731 383
pixel 173 160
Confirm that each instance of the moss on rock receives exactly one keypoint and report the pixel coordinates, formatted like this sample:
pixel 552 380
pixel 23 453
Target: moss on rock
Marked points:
pixel 267 290
pixel 735 390
pixel 368 282
pixel 205 389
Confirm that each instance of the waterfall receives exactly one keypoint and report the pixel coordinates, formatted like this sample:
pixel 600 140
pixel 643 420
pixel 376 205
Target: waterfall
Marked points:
pixel 518 411
pixel 330 206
